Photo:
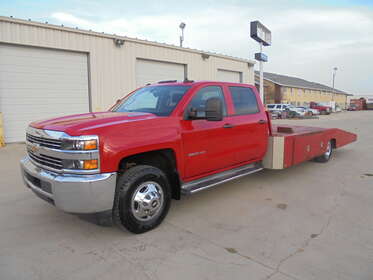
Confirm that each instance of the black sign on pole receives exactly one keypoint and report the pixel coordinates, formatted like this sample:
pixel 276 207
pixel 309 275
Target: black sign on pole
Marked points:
pixel 260 33
pixel 261 57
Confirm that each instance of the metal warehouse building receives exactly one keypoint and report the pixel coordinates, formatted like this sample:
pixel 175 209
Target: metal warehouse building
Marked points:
pixel 48 70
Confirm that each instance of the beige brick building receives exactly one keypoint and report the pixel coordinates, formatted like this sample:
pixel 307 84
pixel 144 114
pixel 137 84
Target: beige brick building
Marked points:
pixel 299 92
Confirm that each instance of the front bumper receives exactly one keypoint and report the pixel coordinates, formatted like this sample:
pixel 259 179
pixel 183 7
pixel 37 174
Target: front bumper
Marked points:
pixel 69 192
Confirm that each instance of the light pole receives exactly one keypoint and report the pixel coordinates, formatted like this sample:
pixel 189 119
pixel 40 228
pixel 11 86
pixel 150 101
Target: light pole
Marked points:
pixel 334 74
pixel 182 26
pixel 263 36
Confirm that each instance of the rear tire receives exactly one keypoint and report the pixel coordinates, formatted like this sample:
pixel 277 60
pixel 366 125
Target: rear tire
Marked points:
pixel 142 199
pixel 327 155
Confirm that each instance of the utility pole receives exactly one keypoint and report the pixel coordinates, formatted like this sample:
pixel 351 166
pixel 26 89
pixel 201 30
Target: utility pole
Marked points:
pixel 334 74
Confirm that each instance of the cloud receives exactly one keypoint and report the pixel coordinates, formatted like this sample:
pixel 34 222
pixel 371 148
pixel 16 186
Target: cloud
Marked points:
pixel 307 43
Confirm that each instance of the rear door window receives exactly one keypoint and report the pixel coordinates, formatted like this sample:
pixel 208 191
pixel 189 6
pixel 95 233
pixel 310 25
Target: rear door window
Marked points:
pixel 244 100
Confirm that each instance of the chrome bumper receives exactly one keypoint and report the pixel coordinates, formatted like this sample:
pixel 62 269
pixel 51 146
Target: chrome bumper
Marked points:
pixel 69 192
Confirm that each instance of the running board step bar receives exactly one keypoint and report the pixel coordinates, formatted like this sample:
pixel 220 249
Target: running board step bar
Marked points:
pixel 219 178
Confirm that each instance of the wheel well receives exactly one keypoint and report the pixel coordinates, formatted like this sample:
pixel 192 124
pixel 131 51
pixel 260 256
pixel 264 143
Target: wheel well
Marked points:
pixel 334 143
pixel 164 159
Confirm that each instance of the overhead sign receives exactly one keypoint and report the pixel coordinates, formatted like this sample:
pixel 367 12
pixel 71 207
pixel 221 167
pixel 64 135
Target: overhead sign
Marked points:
pixel 260 33
pixel 261 57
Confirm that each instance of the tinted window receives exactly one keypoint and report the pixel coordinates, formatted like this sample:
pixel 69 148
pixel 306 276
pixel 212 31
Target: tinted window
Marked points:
pixel 199 100
pixel 244 100
pixel 158 100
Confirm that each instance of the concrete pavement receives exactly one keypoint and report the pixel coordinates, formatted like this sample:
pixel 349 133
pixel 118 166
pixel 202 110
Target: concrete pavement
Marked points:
pixel 311 221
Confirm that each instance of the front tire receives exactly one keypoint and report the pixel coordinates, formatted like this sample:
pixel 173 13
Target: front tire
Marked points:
pixel 142 199
pixel 327 155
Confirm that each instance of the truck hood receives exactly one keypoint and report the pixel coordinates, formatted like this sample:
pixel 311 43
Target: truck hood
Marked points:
pixel 79 124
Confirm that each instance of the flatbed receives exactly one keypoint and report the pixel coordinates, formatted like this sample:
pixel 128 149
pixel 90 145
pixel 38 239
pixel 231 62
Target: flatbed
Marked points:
pixel 290 145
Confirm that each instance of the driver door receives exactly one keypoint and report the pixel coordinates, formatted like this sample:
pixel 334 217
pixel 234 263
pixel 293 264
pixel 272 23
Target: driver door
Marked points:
pixel 207 145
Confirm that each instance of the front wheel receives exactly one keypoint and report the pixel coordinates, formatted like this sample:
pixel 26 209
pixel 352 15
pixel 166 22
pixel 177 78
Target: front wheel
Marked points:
pixel 142 199
pixel 327 155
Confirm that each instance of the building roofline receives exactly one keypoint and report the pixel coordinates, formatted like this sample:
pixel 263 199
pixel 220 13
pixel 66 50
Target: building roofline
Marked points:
pixel 114 36
pixel 296 86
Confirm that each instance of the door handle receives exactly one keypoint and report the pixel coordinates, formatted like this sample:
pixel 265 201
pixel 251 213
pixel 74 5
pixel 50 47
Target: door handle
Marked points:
pixel 262 121
pixel 228 125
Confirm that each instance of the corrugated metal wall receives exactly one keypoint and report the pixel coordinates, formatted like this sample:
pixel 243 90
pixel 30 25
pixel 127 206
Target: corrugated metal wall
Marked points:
pixel 112 68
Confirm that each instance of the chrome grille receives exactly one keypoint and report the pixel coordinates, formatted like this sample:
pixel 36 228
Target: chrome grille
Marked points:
pixel 45 160
pixel 47 149
pixel 44 142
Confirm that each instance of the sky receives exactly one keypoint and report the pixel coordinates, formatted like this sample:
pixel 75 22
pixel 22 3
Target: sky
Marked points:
pixel 309 38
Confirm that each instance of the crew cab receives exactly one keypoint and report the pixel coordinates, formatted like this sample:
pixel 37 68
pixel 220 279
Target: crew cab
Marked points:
pixel 159 142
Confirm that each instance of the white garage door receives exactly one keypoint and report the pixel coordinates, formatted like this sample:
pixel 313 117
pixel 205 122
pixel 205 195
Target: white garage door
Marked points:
pixel 38 83
pixel 150 71
pixel 229 76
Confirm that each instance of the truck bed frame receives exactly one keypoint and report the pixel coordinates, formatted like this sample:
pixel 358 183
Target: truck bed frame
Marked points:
pixel 291 145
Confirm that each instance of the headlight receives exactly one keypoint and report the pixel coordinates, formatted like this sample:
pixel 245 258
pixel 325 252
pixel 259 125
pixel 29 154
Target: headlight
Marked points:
pixel 85 148
pixel 80 144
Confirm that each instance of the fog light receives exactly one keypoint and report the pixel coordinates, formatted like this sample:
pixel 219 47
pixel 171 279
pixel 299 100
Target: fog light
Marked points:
pixel 90 164
pixel 80 164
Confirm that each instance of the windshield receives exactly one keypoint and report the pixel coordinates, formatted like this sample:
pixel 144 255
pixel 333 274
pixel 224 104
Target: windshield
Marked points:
pixel 158 100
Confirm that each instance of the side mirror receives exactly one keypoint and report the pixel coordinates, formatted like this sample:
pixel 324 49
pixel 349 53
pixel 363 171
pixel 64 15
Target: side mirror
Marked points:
pixel 214 109
pixel 192 114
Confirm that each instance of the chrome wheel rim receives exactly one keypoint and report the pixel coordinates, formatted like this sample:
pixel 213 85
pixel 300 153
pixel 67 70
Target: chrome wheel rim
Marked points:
pixel 147 201
pixel 328 150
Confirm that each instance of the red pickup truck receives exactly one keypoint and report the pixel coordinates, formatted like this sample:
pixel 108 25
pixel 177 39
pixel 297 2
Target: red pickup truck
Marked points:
pixel 159 142
pixel 324 110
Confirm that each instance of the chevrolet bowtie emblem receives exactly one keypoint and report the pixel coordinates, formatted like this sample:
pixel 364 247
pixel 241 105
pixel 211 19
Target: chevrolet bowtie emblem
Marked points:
pixel 34 148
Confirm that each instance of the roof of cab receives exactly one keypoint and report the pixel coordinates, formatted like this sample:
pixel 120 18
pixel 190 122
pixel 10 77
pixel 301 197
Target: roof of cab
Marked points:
pixel 191 82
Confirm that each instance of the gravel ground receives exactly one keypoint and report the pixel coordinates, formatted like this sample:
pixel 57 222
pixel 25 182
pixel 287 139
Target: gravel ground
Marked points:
pixel 311 221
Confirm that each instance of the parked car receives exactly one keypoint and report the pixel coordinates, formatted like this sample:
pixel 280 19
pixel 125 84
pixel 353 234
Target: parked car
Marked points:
pixel 311 111
pixel 352 107
pixel 324 110
pixel 301 112
pixel 275 110
pixel 280 108
pixel 277 107
pixel 159 142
